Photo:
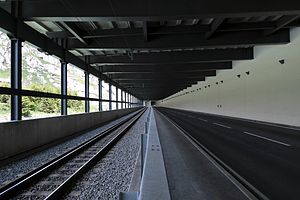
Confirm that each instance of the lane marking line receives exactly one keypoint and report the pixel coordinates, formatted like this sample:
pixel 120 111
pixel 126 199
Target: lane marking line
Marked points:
pixel 271 140
pixel 266 123
pixel 202 119
pixel 221 125
pixel 213 159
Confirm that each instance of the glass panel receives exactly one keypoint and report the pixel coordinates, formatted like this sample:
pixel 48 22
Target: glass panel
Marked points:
pixel 76 106
pixel 105 90
pixel 113 106
pixel 36 107
pixel 94 92
pixel 40 72
pixel 76 81
pixel 94 106
pixel 105 106
pixel 113 92
pixel 4 107
pixel 4 60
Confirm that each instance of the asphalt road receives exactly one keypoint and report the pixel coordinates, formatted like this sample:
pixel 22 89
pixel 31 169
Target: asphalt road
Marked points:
pixel 266 155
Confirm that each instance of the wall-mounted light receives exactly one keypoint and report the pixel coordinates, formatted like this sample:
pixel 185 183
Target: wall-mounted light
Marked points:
pixel 281 61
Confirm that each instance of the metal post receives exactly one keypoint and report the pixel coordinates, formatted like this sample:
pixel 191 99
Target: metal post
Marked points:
pixel 128 100
pixel 122 99
pixel 109 95
pixel 117 98
pixel 125 96
pixel 16 78
pixel 100 94
pixel 63 88
pixel 87 88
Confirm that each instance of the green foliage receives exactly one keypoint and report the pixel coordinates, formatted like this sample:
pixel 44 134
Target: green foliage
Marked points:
pixel 4 99
pixel 74 104
pixel 38 104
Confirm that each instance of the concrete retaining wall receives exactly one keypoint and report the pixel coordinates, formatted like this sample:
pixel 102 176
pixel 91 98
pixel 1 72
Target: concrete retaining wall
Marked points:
pixel 261 89
pixel 20 136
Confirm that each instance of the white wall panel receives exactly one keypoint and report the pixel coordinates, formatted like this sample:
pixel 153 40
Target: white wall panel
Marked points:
pixel 271 92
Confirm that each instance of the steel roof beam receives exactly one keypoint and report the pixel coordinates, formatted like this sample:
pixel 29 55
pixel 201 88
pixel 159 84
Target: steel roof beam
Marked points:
pixel 74 30
pixel 196 56
pixel 17 28
pixel 214 27
pixel 220 40
pixel 117 32
pixel 155 10
pixel 168 74
pixel 171 30
pixel 168 67
pixel 283 21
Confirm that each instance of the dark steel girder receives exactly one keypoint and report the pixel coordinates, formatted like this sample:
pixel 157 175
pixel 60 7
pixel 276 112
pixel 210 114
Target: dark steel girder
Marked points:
pixel 196 56
pixel 173 30
pixel 17 28
pixel 283 21
pixel 163 75
pixel 155 10
pixel 170 73
pixel 151 31
pixel 158 87
pixel 74 30
pixel 164 81
pixel 143 85
pixel 220 40
pixel 167 67
pixel 154 77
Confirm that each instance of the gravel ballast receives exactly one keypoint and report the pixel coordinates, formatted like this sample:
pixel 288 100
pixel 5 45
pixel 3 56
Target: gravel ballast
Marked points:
pixel 18 168
pixel 113 173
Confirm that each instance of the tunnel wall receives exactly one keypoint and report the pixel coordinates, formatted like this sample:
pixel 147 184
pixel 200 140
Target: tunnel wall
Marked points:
pixel 20 136
pixel 271 91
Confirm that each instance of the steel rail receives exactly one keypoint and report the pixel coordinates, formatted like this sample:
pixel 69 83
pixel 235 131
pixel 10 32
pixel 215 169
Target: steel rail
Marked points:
pixel 13 188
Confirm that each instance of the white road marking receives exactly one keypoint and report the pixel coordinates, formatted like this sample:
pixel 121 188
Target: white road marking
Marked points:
pixel 262 137
pixel 270 124
pixel 222 125
pixel 202 119
pixel 213 159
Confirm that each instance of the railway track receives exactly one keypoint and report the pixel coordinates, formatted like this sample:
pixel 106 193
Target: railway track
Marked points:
pixel 52 179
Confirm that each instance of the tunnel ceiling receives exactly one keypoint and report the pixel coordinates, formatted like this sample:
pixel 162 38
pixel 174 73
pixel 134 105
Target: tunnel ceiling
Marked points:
pixel 157 48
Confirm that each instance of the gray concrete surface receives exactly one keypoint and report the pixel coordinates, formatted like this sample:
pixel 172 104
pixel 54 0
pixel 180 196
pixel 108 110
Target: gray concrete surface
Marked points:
pixel 20 136
pixel 154 185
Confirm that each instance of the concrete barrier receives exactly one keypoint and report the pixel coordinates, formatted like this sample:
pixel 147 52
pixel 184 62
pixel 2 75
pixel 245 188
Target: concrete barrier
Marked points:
pixel 17 137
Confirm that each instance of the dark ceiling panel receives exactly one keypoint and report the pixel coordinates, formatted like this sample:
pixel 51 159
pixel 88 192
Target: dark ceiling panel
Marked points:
pixel 220 40
pixel 149 49
pixel 167 67
pixel 196 56
pixel 154 10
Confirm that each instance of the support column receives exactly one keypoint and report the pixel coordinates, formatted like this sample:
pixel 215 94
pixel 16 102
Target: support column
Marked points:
pixel 100 93
pixel 87 92
pixel 64 92
pixel 128 105
pixel 122 106
pixel 109 95
pixel 16 78
pixel 125 99
pixel 117 98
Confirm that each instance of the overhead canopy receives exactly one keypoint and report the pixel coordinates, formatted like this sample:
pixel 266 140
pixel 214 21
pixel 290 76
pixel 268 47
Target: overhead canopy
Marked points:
pixel 155 48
